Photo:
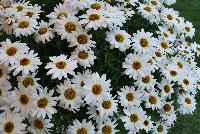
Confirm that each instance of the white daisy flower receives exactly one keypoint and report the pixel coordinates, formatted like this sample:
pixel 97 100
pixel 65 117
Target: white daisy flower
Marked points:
pixel 118 39
pixel 133 121
pixel 143 42
pixel 23 100
pixel 189 30
pixel 93 19
pixel 81 127
pixel 66 26
pixel 25 26
pixel 4 73
pixel 83 41
pixel 10 51
pixel 78 4
pixel 114 17
pixel 61 10
pixel 129 97
pixel 128 12
pixel 26 63
pixel 148 124
pixel 187 103
pixel 107 106
pixel 21 6
pixel 149 12
pixel 11 124
pixel 166 88
pixel 107 127
pixel 85 58
pixel 5 86
pixel 93 113
pixel 61 66
pixel 40 125
pixel 169 16
pixel 97 87
pixel 136 65
pixel 165 47
pixel 160 128
pixel 165 35
pixel 33 12
pixel 44 33
pixel 96 4
pixel 172 72
pixel 167 109
pixel 188 83
pixel 29 80
pixel 69 96
pixel 153 101
pixel 169 2
pixel 45 104
pixel 80 79
pixel 131 2
pixel 146 82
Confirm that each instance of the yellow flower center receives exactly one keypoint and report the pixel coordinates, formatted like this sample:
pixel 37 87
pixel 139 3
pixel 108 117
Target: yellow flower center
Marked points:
pixel 38 124
pixel 95 6
pixel 82 131
pixel 11 51
pixel 160 128
pixel 96 89
pixel 23 24
pixel 187 29
pixel 136 65
pixel 130 96
pixel 61 65
pixel 180 65
pixel 188 100
pixel 186 81
pixel 119 38
pixel 148 9
pixel 146 79
pixel 94 17
pixel 24 62
pixel 24 99
pixel 167 88
pixel 173 73
pixel 106 104
pixel 167 107
pixel 42 102
pixel 165 34
pixel 42 31
pixel 20 8
pixel 154 3
pixel 146 123
pixel 9 127
pixel 83 55
pixel 28 82
pixel 107 129
pixel 70 27
pixel 82 39
pixel 70 94
pixel 170 17
pixel 144 42
pixel 134 118
pixel 164 45
pixel 158 54
pixel 61 14
pixel 30 14
pixel 152 100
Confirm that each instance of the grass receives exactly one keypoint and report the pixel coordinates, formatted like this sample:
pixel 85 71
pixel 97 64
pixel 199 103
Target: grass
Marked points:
pixel 190 10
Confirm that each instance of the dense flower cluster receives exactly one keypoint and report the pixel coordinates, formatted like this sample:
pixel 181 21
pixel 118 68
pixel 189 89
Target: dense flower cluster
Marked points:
pixel 162 66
